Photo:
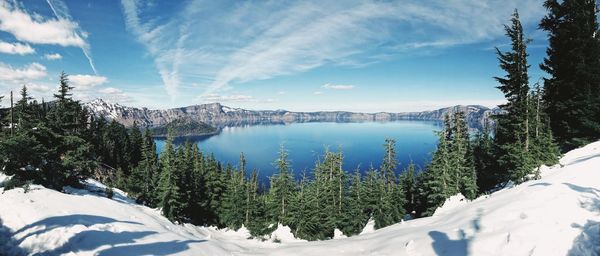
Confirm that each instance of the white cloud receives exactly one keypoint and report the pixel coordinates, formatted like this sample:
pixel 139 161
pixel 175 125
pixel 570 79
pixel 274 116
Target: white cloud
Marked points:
pixel 318 93
pixel 53 56
pixel 110 90
pixel 36 30
pixel 114 95
pixel 27 73
pixel 15 48
pixel 281 92
pixel 338 86
pixel 83 82
pixel 41 88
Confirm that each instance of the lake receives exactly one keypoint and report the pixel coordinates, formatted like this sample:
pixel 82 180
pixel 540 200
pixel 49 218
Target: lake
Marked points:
pixel 362 143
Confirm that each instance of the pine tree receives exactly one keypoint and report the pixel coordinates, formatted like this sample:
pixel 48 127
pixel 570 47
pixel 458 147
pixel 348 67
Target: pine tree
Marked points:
pixel 135 140
pixel 572 92
pixel 169 195
pixel 512 131
pixel 435 184
pixel 234 209
pixel 355 217
pixel 143 180
pixel 282 189
pixel 485 162
pixel 409 186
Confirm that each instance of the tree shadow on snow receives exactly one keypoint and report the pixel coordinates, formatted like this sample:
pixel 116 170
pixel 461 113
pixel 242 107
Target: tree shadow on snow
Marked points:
pixel 588 242
pixel 592 197
pixel 582 159
pixel 51 223
pixel 444 246
pixel 158 248
pixel 117 243
pixel 544 184
pixel 8 245
pixel 92 239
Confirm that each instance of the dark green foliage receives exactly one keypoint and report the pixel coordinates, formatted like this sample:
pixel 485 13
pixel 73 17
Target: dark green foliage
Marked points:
pixel 522 142
pixel 452 169
pixel 572 92
pixel 408 182
pixel 183 127
pixel 512 136
pixel 282 190
pixel 170 197
pixel 485 162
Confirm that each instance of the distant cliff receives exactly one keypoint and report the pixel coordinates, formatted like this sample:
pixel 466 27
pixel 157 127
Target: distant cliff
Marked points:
pixel 218 115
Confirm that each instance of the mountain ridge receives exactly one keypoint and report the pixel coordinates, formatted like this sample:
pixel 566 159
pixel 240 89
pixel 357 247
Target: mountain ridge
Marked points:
pixel 219 115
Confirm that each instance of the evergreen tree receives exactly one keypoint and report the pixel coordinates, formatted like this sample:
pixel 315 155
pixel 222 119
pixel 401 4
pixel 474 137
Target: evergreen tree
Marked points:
pixel 135 140
pixel 572 91
pixel 169 196
pixel 435 182
pixel 355 217
pixel 282 189
pixel 409 186
pixel 485 162
pixel 234 209
pixel 143 180
pixel 512 131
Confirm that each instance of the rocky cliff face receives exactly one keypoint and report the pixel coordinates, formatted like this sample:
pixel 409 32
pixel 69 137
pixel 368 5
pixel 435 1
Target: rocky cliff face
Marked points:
pixel 218 115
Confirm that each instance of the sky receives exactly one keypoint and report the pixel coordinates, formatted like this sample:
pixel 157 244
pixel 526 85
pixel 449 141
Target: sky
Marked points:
pixel 363 56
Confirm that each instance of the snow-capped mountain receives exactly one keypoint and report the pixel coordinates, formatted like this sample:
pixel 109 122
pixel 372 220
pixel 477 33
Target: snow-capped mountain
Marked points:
pixel 218 115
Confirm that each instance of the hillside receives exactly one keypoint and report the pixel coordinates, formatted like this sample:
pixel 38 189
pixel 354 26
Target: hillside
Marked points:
pixel 218 115
pixel 556 215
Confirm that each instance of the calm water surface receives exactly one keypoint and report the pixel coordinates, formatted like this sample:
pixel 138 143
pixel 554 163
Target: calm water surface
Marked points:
pixel 362 143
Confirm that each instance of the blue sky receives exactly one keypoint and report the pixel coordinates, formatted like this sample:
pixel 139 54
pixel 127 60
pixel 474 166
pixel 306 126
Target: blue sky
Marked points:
pixel 298 55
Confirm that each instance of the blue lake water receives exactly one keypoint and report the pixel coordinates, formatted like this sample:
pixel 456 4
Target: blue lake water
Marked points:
pixel 362 143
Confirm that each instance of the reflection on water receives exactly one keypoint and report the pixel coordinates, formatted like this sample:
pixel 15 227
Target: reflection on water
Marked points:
pixel 362 143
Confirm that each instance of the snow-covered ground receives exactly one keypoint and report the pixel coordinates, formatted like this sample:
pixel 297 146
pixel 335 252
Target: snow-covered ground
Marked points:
pixel 556 215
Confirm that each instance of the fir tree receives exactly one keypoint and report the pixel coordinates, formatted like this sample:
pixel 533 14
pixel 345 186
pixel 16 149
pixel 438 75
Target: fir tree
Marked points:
pixel 169 195
pixel 282 189
pixel 409 186
pixel 572 91
pixel 512 133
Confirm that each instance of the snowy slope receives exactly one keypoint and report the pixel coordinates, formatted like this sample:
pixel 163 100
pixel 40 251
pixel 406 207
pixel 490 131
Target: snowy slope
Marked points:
pixel 556 215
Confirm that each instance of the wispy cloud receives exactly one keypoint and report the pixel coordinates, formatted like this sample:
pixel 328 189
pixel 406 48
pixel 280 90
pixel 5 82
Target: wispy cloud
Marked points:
pixel 338 86
pixel 15 48
pixel 61 11
pixel 318 93
pixel 27 73
pixel 52 56
pixel 235 42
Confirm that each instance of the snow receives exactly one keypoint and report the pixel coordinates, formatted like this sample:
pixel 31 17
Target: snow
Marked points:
pixel 283 234
pixel 369 228
pixel 338 234
pixel 450 204
pixel 558 214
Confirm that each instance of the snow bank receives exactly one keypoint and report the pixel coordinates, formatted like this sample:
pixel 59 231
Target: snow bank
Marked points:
pixel 369 228
pixel 283 234
pixel 338 234
pixel 451 204
pixel 556 215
